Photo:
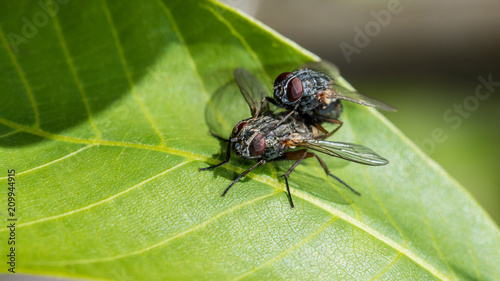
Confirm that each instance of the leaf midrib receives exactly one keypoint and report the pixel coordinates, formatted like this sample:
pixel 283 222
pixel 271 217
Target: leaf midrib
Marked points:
pixel 193 156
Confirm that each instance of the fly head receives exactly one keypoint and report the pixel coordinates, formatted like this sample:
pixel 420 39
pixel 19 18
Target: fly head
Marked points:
pixel 288 89
pixel 248 140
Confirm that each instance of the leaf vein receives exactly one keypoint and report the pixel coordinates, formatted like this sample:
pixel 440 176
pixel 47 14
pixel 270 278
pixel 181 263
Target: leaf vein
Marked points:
pixel 327 180
pixel 289 250
pixel 474 260
pixel 384 270
pixel 123 61
pixel 52 162
pixel 366 228
pixel 166 241
pixel 9 134
pixel 375 195
pixel 76 78
pixel 19 71
pixel 192 64
pixel 105 200
pixel 434 242
pixel 240 38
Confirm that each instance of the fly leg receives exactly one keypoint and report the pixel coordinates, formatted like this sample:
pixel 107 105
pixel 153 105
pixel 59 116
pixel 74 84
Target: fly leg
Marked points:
pixel 331 175
pixel 284 118
pixel 261 162
pixel 293 155
pixel 323 130
pixel 268 99
pixel 271 100
pixel 328 120
pixel 228 154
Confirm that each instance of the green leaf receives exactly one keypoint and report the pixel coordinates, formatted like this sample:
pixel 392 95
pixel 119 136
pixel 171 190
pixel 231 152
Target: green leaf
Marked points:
pixel 104 116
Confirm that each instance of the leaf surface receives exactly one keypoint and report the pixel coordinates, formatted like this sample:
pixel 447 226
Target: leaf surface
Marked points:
pixel 105 115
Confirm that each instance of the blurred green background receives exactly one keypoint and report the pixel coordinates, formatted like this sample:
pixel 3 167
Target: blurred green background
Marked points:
pixel 422 57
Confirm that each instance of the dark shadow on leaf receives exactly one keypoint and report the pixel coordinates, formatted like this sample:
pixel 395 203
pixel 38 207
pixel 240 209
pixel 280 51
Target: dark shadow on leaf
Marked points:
pixel 225 109
pixel 97 72
pixel 20 139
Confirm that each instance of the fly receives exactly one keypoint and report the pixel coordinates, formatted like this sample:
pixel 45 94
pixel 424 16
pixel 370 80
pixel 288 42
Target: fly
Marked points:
pixel 314 91
pixel 269 136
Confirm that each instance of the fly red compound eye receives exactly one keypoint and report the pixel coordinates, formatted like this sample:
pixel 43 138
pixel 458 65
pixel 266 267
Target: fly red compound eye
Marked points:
pixel 281 77
pixel 257 145
pixel 294 89
pixel 240 126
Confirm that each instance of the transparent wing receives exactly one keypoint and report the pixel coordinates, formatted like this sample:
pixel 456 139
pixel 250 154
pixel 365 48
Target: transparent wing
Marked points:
pixel 348 151
pixel 354 96
pixel 337 91
pixel 252 89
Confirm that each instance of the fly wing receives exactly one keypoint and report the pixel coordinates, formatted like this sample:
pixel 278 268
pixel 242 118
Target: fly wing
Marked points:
pixel 252 89
pixel 348 151
pixel 341 92
pixel 354 96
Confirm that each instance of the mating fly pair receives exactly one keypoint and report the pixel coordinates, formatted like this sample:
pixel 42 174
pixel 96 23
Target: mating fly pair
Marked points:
pixel 269 136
